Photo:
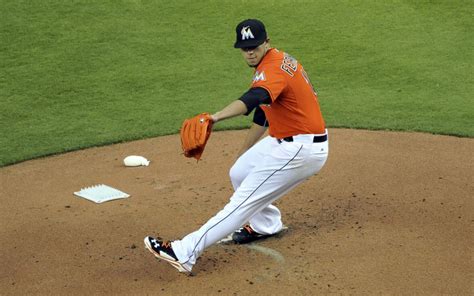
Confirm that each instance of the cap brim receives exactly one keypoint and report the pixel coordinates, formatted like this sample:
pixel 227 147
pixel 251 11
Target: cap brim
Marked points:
pixel 248 43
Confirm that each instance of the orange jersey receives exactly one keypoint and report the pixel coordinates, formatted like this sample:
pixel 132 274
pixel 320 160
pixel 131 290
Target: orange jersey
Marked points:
pixel 294 108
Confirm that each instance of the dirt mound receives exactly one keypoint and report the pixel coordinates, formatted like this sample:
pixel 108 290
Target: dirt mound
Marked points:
pixel 389 213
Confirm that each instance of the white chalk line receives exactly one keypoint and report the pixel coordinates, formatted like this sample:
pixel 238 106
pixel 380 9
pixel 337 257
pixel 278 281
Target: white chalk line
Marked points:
pixel 277 256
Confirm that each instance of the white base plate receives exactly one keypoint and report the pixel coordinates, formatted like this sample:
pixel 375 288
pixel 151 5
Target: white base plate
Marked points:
pixel 101 193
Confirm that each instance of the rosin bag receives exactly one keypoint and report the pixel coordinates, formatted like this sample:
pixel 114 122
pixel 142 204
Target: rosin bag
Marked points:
pixel 135 160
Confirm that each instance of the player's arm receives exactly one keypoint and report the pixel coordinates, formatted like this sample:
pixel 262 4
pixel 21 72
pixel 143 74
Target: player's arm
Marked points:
pixel 256 131
pixel 245 105
pixel 254 134
pixel 235 108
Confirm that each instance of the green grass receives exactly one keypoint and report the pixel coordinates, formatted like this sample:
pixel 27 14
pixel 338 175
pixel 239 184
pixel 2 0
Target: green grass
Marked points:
pixel 76 74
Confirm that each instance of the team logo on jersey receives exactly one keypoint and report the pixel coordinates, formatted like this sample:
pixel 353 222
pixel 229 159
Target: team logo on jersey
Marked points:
pixel 259 76
pixel 246 33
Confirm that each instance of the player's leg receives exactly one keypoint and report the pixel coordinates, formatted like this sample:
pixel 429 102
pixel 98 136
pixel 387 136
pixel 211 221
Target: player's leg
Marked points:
pixel 249 159
pixel 267 221
pixel 286 166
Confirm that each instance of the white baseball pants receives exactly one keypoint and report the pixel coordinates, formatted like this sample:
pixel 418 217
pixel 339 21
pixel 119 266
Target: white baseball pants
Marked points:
pixel 260 176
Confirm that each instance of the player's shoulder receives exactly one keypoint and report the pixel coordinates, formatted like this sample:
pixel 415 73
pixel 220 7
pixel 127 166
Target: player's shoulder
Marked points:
pixel 278 63
pixel 280 54
pixel 275 55
pixel 272 60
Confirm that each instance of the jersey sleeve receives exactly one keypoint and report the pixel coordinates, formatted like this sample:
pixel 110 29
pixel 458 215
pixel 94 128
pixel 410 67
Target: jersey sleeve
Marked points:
pixel 272 79
pixel 259 117
pixel 254 97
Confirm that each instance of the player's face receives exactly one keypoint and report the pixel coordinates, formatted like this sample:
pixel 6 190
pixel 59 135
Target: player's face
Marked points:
pixel 253 55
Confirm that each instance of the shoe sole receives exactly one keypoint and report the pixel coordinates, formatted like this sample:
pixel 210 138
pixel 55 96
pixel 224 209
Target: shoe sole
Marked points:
pixel 173 263
pixel 228 239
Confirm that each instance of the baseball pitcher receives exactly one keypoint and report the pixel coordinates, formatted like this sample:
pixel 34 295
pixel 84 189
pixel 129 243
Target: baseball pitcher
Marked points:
pixel 283 101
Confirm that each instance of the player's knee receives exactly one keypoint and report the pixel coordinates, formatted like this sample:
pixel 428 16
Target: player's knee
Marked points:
pixel 237 175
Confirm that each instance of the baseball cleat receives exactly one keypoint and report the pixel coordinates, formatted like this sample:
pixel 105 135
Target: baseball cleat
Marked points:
pixel 164 251
pixel 247 235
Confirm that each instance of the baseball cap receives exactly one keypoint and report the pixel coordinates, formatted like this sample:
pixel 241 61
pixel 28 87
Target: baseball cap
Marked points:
pixel 250 33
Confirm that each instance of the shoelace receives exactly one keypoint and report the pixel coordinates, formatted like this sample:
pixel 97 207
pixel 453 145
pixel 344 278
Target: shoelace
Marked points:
pixel 167 245
pixel 248 228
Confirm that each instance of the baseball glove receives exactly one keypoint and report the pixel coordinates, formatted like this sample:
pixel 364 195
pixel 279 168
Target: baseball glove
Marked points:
pixel 195 132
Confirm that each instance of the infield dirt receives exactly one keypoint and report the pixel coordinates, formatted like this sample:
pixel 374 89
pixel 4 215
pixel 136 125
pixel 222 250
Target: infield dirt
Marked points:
pixel 390 213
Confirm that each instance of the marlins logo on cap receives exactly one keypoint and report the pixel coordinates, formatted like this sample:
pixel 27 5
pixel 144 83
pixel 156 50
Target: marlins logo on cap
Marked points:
pixel 250 33
pixel 246 33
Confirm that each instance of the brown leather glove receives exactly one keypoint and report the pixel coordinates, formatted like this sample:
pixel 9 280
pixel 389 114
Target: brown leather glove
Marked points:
pixel 195 132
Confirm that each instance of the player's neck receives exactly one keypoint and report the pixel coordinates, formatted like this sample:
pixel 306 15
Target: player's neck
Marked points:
pixel 264 55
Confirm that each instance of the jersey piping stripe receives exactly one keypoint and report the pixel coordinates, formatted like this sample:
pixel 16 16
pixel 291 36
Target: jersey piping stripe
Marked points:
pixel 243 201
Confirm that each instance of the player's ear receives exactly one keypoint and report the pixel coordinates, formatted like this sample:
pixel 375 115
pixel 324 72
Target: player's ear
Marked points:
pixel 267 43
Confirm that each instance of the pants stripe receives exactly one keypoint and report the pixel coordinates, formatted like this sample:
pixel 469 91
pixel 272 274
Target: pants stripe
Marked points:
pixel 243 202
